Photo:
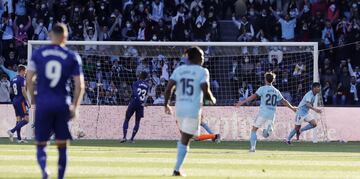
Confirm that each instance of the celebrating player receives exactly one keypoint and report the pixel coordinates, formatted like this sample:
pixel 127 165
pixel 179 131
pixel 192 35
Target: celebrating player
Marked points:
pixel 192 84
pixel 138 98
pixel 303 114
pixel 54 65
pixel 270 96
pixel 20 103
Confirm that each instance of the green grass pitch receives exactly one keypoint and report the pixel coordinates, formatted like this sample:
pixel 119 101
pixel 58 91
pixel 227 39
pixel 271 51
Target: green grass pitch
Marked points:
pixel 108 159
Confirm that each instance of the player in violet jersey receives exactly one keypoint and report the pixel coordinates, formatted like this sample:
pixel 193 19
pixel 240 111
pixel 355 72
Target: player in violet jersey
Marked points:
pixel 20 102
pixel 54 65
pixel 138 99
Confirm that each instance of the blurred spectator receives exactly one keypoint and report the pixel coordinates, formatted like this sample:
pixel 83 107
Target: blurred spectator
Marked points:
pixel 4 90
pixel 246 30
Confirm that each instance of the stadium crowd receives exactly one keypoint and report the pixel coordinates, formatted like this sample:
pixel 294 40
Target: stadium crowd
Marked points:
pixel 335 24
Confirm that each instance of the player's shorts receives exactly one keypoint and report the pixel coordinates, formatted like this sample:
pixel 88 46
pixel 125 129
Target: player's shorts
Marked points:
pixel 136 108
pixel 52 119
pixel 21 108
pixel 260 122
pixel 300 119
pixel 189 125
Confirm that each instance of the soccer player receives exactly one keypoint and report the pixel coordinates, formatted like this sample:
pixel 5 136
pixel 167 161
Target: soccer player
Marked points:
pixel 53 65
pixel 192 84
pixel 270 97
pixel 303 115
pixel 138 98
pixel 20 102
pixel 211 135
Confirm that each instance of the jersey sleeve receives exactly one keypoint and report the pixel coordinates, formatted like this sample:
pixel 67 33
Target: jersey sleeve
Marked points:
pixel 206 77
pixel 31 66
pixel 279 96
pixel 174 75
pixel 77 66
pixel 259 91
pixel 308 98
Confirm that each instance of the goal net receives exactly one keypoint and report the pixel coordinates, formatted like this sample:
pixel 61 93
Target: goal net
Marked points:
pixel 236 70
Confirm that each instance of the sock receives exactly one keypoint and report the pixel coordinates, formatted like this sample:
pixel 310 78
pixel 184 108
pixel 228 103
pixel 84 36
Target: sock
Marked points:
pixel 19 125
pixel 307 127
pixel 253 140
pixel 136 128
pixel 206 127
pixel 206 137
pixel 181 155
pixel 125 127
pixel 62 162
pixel 41 158
pixel 18 132
pixel 291 135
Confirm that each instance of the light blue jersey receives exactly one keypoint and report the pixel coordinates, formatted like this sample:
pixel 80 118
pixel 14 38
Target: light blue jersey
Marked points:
pixel 270 96
pixel 189 96
pixel 303 110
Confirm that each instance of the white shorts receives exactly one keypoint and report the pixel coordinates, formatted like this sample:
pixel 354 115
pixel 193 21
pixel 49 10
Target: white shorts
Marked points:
pixel 189 125
pixel 259 122
pixel 300 119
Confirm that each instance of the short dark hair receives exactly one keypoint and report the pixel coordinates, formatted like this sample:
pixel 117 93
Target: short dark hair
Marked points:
pixel 270 76
pixel 194 54
pixel 21 68
pixel 59 29
pixel 143 75
pixel 316 85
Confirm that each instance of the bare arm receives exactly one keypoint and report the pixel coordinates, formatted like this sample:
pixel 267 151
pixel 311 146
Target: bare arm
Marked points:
pixel 168 93
pixel 249 99
pixel 78 90
pixel 23 91
pixel 207 93
pixel 287 104
pixel 30 84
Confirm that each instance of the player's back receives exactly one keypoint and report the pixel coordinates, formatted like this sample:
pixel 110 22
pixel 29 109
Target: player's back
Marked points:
pixel 270 96
pixel 189 95
pixel 309 97
pixel 139 91
pixel 16 84
pixel 55 65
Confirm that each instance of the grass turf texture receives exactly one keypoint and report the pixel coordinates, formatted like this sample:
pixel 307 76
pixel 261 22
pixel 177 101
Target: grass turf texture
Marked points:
pixel 155 159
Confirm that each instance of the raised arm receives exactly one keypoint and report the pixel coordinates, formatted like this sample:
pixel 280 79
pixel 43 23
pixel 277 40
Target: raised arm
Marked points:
pixel 113 26
pixel 351 71
pixel 168 93
pixel 237 23
pixel 28 25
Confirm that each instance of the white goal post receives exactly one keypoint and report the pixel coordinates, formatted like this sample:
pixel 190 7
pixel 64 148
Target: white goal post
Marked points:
pixel 303 54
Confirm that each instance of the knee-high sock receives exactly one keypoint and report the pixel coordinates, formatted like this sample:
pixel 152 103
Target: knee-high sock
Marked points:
pixel 206 137
pixel 125 127
pixel 253 138
pixel 182 150
pixel 41 158
pixel 18 132
pixel 136 127
pixel 291 135
pixel 62 162
pixel 206 127
pixel 307 127
pixel 19 125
